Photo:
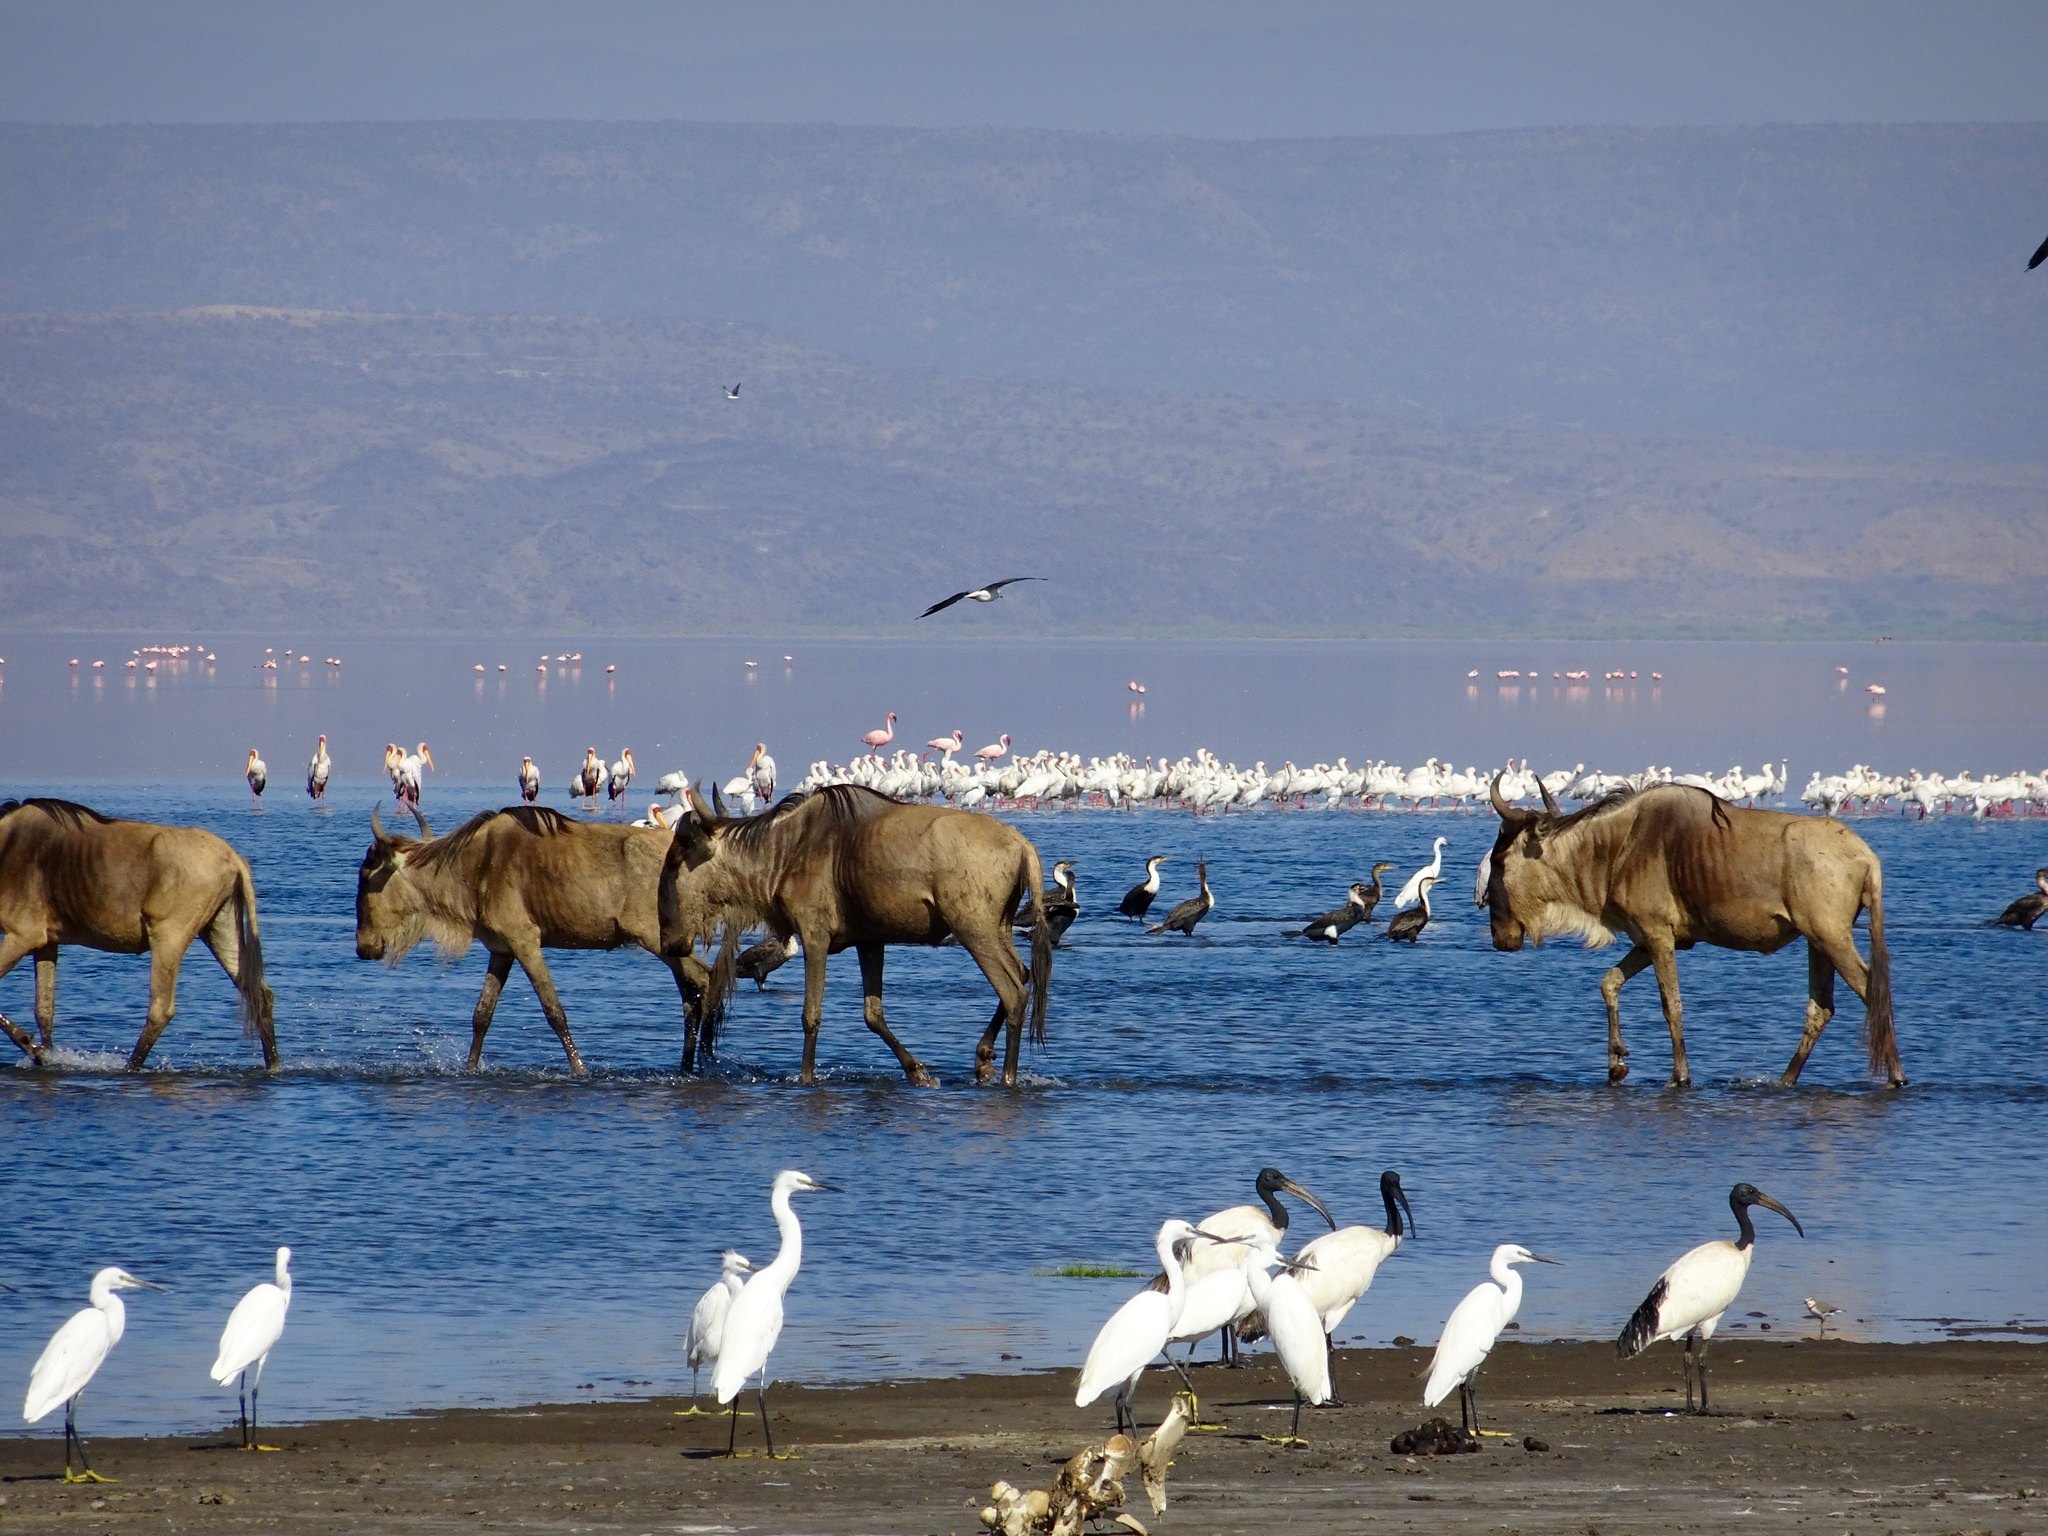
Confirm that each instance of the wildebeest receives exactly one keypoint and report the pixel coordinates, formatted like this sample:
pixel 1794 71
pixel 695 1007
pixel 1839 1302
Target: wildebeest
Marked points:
pixel 69 875
pixel 1672 866
pixel 845 868
pixel 518 881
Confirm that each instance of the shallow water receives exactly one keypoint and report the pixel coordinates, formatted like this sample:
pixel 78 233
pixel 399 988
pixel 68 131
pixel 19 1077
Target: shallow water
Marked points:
pixel 514 1236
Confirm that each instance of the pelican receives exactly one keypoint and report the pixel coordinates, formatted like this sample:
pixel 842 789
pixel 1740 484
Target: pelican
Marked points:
pixel 1433 870
pixel 621 775
pixel 253 1329
pixel 1186 914
pixel 1688 1299
pixel 317 770
pixel 590 777
pixel 529 780
pixel 876 740
pixel 754 1322
pixel 1136 1332
pixel 257 772
pixel 74 1354
pixel 1474 1327
pixel 987 594
pixel 707 1319
pixel 2028 910
pixel 1138 899
pixel 1407 925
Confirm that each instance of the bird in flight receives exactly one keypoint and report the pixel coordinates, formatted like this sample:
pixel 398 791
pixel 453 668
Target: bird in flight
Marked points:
pixel 987 594
pixel 2040 256
pixel 732 391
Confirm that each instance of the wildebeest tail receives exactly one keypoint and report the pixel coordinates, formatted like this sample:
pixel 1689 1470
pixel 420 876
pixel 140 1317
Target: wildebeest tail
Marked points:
pixel 1041 942
pixel 259 1003
pixel 1879 1037
pixel 725 975
pixel 1641 1331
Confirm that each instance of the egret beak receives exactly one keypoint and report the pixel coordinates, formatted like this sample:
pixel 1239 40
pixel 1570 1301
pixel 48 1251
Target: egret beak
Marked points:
pixel 1764 1199
pixel 1296 1266
pixel 1537 1258
pixel 1295 1189
pixel 821 1184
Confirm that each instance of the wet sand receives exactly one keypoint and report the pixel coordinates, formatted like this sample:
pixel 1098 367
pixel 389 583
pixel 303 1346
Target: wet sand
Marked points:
pixel 1806 1436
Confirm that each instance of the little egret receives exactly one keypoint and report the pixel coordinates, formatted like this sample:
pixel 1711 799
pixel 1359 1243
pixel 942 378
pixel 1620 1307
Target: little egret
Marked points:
pixel 754 1321
pixel 1433 870
pixel 1688 1299
pixel 707 1321
pixel 1136 1332
pixel 74 1353
pixel 1472 1330
pixel 1296 1330
pixel 253 1329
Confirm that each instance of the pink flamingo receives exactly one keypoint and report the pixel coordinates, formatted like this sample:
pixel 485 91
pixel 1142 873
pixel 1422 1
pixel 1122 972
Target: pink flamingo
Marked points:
pixel 994 749
pixel 876 740
pixel 952 743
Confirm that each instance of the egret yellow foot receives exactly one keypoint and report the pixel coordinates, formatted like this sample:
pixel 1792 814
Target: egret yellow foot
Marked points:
pixel 1195 1420
pixel 694 1412
pixel 1496 1434
pixel 782 1456
pixel 262 1447
pixel 1288 1440
pixel 87 1476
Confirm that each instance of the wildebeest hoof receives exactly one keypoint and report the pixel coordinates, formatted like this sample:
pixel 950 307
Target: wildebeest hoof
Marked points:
pixel 1679 1082
pixel 1616 1071
pixel 920 1078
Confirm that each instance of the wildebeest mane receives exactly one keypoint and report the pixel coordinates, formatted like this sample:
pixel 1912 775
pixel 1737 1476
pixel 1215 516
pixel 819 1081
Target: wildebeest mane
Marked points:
pixel 541 820
pixel 1627 794
pixel 67 811
pixel 836 805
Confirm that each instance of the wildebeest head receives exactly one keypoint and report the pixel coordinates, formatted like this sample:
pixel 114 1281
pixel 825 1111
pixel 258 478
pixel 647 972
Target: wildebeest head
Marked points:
pixel 685 916
pixel 1515 885
pixel 387 908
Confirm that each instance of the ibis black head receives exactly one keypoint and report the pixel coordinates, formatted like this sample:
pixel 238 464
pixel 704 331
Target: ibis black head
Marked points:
pixel 1391 1192
pixel 1742 1197
pixel 1271 1182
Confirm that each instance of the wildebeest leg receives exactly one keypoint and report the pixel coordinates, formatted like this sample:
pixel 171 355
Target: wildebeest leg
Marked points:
pixel 693 1012
pixel 12 951
pixel 1820 1007
pixel 1666 960
pixel 1006 973
pixel 1611 984
pixel 871 985
pixel 226 945
pixel 166 955
pixel 46 994
pixel 495 976
pixel 550 1004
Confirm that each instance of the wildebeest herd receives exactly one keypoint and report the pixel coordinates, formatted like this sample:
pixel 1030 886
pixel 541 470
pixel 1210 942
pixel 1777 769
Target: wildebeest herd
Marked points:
pixel 841 867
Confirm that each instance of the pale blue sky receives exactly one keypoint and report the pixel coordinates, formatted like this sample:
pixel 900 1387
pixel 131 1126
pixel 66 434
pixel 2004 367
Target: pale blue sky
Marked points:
pixel 1203 67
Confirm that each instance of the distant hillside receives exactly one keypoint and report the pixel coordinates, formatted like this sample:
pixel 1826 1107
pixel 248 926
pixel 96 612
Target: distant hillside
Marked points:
pixel 239 468
pixel 1852 288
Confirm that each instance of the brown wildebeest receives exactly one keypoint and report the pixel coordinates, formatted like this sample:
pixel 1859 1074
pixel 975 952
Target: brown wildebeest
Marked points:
pixel 1671 867
pixel 845 868
pixel 520 880
pixel 69 875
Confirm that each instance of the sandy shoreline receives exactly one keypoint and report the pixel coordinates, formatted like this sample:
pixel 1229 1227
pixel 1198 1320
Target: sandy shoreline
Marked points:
pixel 1946 1437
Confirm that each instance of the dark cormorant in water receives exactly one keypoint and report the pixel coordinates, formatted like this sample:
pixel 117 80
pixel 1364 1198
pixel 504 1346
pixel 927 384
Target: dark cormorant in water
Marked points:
pixel 1183 917
pixel 1332 925
pixel 2028 910
pixel 1138 899
pixel 1409 923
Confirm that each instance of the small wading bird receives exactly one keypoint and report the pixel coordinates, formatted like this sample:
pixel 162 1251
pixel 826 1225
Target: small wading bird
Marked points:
pixel 1406 926
pixel 707 1320
pixel 1138 899
pixel 1186 914
pixel 1433 870
pixel 257 772
pixel 2028 910
pixel 1474 1327
pixel 75 1352
pixel 1688 1299
pixel 754 1322
pixel 1136 1332
pixel 1821 1311
pixel 318 769
pixel 529 780
pixel 987 594
pixel 253 1329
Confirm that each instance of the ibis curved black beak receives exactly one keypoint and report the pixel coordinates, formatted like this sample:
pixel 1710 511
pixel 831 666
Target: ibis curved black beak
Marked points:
pixel 1295 1189
pixel 1764 1199
pixel 1391 1191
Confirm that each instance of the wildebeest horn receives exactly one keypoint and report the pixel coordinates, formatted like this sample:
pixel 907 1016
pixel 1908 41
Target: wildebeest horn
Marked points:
pixel 376 824
pixel 419 816
pixel 1501 808
pixel 704 812
pixel 717 800
pixel 1549 802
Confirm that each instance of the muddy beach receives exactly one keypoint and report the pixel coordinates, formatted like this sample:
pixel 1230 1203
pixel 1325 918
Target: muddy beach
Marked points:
pixel 1806 1436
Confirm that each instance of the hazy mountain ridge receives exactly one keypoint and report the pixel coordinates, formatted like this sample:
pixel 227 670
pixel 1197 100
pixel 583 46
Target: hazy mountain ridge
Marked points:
pixel 1848 287
pixel 240 467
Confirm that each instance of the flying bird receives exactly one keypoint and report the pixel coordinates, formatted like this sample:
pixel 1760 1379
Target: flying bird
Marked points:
pixel 987 594
pixel 732 391
pixel 2040 255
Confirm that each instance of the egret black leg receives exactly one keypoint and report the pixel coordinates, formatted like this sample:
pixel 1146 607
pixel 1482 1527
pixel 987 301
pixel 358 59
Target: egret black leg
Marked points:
pixel 1180 1369
pixel 1330 1353
pixel 85 1473
pixel 732 1434
pixel 761 1396
pixel 1294 1434
pixel 1703 1374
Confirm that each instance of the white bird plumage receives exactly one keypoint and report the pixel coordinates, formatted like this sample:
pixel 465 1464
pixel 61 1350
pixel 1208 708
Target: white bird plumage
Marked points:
pixel 1296 1331
pixel 1473 1328
pixel 754 1321
pixel 707 1318
pixel 1137 1331
pixel 73 1357
pixel 253 1329
pixel 1433 870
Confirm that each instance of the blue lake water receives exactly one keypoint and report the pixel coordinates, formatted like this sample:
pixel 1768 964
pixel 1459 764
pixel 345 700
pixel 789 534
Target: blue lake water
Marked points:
pixel 515 1236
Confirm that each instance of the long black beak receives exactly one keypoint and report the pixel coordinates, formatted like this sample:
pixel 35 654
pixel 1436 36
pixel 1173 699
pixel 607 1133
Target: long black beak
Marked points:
pixel 1538 1258
pixel 1295 1189
pixel 1764 1199
pixel 1390 1187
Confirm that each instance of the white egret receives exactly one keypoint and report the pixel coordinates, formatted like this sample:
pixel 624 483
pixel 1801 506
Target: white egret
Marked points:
pixel 1688 1299
pixel 1296 1330
pixel 253 1329
pixel 75 1352
pixel 1433 870
pixel 1137 1331
pixel 754 1321
pixel 1239 1226
pixel 707 1320
pixel 1474 1327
